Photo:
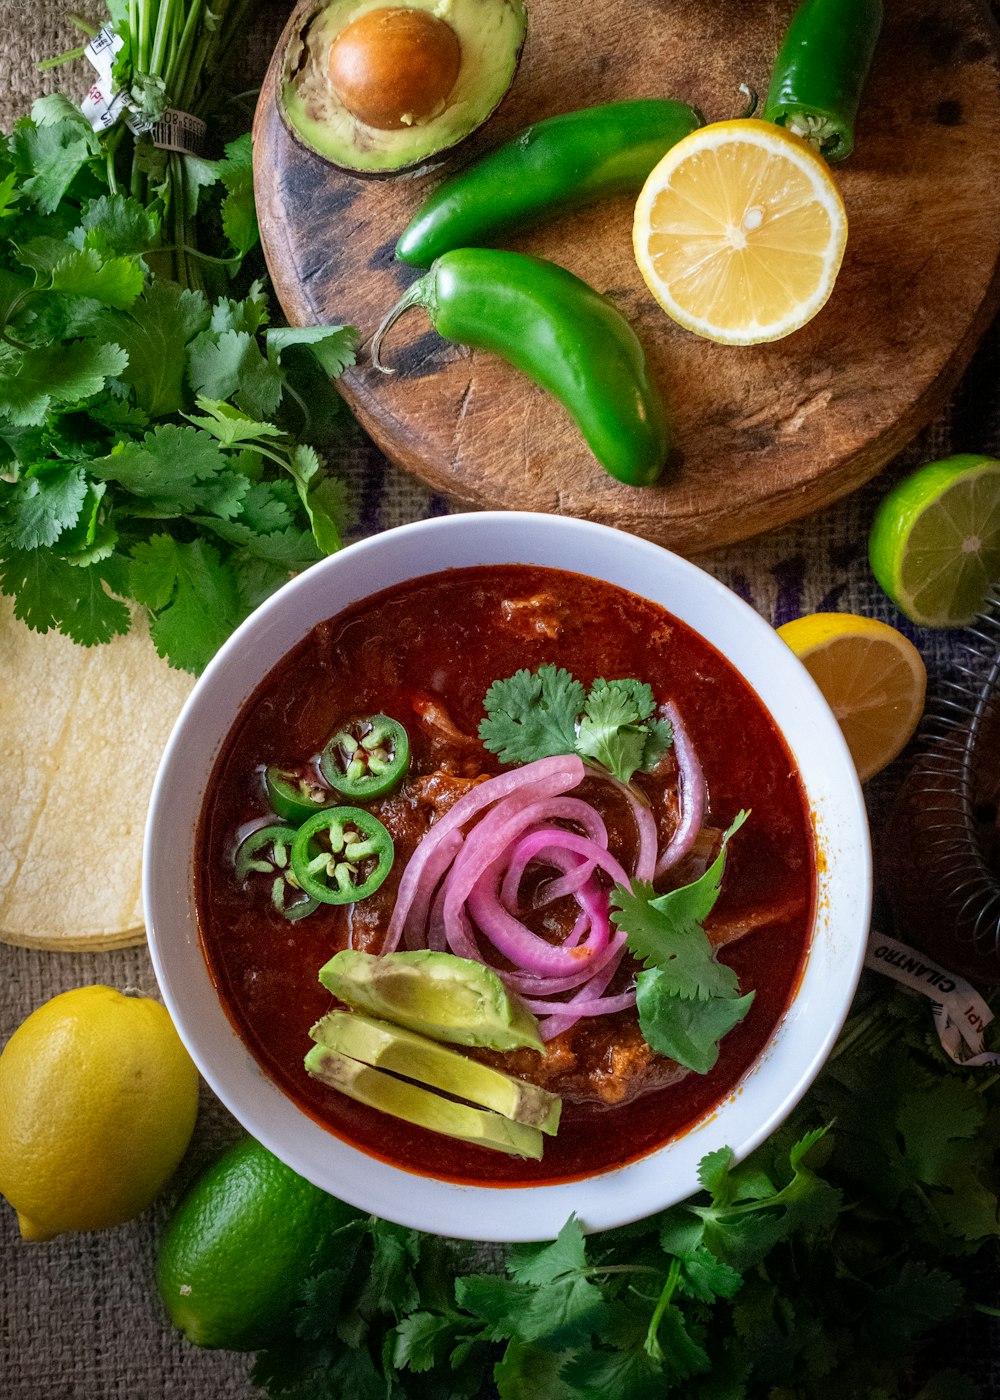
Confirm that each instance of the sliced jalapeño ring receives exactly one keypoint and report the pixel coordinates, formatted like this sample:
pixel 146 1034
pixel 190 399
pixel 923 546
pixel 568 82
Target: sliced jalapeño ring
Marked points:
pixel 341 855
pixel 367 758
pixel 267 852
pixel 294 796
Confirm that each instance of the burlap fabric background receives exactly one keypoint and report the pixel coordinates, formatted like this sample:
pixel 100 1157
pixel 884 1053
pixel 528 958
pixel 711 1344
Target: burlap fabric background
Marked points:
pixel 79 1317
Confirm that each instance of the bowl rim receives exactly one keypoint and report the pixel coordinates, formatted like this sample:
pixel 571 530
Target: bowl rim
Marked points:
pixel 666 1175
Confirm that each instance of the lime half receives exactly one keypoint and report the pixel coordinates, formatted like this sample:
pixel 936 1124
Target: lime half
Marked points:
pixel 935 543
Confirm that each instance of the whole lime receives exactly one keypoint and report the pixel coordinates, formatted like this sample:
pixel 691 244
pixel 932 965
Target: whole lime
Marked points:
pixel 239 1245
pixel 98 1099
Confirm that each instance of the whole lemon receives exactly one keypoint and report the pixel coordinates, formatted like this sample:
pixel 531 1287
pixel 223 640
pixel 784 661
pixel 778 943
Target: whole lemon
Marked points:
pixel 240 1244
pixel 98 1099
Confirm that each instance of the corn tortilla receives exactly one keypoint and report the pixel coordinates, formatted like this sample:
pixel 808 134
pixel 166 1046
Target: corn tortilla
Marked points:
pixel 81 733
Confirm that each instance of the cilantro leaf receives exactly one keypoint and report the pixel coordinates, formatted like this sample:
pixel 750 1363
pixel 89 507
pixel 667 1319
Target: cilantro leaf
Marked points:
pixel 117 225
pixel 423 1338
pixel 915 1299
pixel 239 214
pixel 684 1030
pixel 249 314
pixel 391 1286
pixel 256 578
pixel 111 281
pixel 155 332
pixel 229 425
pixel 292 548
pixel 50 157
pixel 619 1375
pixel 56 107
pixel 497 1302
pixel 543 1263
pixel 268 507
pixel 532 1370
pixel 230 365
pixel 532 715
pixel 335 347
pixel 192 594
pixel 9 194
pixel 665 931
pixel 674 944
pixel 167 466
pixel 610 730
pixel 741 1225
pixel 31 381
pixel 704 1277
pixel 49 592
pixel 323 497
pixel 36 509
pixel 539 714
pixel 567 1306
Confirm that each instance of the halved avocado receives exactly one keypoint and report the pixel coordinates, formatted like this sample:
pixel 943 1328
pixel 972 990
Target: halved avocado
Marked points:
pixel 378 86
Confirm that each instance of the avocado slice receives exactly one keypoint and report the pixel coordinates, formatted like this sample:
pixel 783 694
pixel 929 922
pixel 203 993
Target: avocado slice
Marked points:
pixel 389 1047
pixel 330 102
pixel 422 1107
pixel 437 994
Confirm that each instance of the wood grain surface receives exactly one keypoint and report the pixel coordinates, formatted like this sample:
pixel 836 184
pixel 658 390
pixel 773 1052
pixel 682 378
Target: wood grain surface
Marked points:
pixel 766 434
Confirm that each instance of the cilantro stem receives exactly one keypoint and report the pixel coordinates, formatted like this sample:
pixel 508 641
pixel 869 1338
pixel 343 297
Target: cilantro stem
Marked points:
pixel 293 393
pixel 164 16
pixel 84 25
pixel 652 1345
pixel 180 226
pixel 8 339
pixel 598 1272
pixel 190 251
pixel 11 312
pixel 58 59
pixel 142 38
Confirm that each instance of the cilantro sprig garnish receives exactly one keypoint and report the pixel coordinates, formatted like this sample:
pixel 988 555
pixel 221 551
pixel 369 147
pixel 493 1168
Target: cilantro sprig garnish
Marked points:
pixel 539 714
pixel 816 1269
pixel 687 1000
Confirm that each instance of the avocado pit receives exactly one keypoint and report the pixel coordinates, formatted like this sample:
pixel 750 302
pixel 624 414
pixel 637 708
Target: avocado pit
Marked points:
pixel 393 67
pixel 375 88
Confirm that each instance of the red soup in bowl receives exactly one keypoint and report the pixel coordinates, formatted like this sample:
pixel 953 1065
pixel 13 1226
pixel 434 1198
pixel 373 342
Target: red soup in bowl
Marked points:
pixel 425 653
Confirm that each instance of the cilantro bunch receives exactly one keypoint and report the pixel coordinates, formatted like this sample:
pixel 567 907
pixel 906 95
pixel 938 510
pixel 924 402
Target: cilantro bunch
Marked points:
pixel 538 714
pixel 814 1270
pixel 147 427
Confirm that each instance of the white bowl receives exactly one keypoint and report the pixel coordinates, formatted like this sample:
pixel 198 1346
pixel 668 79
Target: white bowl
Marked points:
pixel 809 1026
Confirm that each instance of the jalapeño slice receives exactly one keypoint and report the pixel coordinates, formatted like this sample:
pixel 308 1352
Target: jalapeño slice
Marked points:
pixel 341 855
pixel 294 796
pixel 367 758
pixel 267 851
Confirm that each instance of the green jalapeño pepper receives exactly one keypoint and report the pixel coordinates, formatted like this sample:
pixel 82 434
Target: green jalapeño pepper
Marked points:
pixel 561 163
pixel 561 333
pixel 267 851
pixel 294 796
pixel 367 759
pixel 821 70
pixel 341 855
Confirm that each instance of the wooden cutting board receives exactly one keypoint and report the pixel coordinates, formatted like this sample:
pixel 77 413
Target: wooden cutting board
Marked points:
pixel 767 434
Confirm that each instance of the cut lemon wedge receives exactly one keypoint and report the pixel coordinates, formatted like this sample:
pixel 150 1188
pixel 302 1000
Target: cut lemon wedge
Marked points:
pixel 873 679
pixel 740 232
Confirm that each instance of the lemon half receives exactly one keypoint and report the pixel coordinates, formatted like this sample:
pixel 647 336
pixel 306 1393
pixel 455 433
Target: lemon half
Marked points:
pixel 740 232
pixel 872 677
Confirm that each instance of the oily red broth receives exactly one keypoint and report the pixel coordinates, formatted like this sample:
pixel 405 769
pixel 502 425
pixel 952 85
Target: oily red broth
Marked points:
pixel 431 648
